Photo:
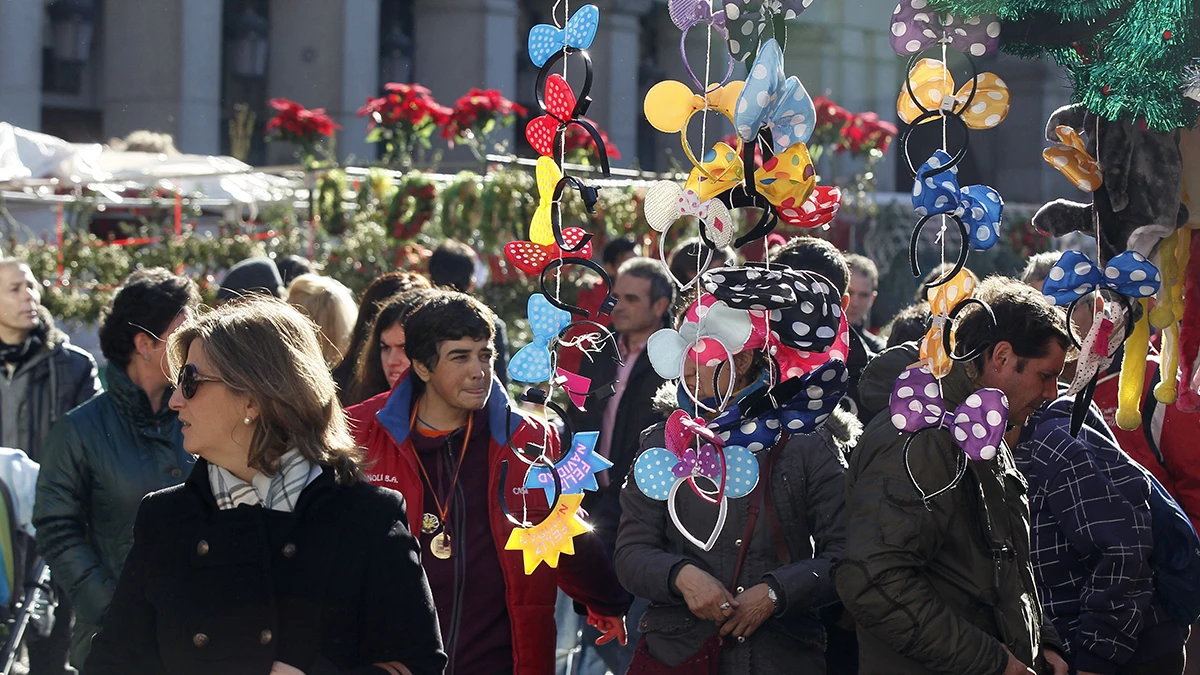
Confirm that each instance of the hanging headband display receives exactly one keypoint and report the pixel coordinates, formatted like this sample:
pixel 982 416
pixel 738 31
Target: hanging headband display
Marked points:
pixel 532 258
pixel 545 40
pixel 576 471
pixel 670 105
pixel 546 227
pixel 546 133
pixel 547 540
pixel 747 20
pixel 976 209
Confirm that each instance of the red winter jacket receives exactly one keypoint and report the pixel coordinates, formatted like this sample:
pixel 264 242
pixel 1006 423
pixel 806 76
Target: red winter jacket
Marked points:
pixel 1164 444
pixel 381 425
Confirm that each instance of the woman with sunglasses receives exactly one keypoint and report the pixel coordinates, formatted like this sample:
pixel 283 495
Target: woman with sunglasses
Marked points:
pixel 275 556
pixel 107 454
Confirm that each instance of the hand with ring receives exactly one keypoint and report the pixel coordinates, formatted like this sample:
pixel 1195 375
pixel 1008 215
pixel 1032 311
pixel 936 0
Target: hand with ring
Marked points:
pixel 705 596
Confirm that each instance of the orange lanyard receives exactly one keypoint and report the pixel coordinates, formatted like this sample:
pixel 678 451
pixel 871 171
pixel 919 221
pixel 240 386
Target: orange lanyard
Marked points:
pixel 443 511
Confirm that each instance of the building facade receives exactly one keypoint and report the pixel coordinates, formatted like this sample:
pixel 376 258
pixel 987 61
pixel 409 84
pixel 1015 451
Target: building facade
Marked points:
pixel 89 70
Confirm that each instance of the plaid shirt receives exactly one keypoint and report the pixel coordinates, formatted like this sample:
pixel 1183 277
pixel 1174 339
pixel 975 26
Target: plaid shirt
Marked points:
pixel 1091 537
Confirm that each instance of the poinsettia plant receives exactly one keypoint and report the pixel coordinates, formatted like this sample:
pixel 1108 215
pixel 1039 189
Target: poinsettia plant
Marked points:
pixel 476 115
pixel 580 148
pixel 406 114
pixel 308 129
pixel 842 130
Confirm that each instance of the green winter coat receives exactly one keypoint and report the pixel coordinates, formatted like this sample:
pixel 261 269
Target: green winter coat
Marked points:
pixel 100 460
pixel 931 591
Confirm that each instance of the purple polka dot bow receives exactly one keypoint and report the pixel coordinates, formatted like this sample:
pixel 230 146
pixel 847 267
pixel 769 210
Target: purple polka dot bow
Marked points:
pixel 977 425
pixel 915 28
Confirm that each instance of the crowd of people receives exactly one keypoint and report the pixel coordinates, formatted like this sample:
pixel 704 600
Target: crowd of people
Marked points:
pixel 301 482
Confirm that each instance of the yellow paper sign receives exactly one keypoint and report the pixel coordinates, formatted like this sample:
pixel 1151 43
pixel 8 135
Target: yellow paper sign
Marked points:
pixel 552 537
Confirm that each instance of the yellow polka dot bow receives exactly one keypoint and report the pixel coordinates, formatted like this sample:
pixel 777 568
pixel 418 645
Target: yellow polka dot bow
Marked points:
pixel 541 231
pixel 943 299
pixel 786 180
pixel 933 88
pixel 1071 157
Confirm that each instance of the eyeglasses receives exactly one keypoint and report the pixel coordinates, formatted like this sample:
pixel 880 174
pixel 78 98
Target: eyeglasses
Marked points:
pixel 189 380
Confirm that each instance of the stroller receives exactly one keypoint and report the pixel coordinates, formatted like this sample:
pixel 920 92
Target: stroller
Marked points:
pixel 27 600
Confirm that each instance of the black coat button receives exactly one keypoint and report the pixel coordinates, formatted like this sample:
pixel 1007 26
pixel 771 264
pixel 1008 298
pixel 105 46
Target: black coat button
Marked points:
pixel 202 547
pixel 289 550
pixel 200 639
pixel 176 473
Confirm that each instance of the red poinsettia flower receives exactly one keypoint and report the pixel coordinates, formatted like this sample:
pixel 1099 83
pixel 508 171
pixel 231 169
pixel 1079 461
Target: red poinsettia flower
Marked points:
pixel 478 111
pixel 578 141
pixel 298 124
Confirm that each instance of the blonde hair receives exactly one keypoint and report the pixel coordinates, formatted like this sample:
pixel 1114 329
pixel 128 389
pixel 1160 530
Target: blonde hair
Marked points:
pixel 331 305
pixel 267 350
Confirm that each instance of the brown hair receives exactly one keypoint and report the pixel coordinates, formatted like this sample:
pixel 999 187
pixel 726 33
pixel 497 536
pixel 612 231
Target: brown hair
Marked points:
pixel 267 350
pixel 369 378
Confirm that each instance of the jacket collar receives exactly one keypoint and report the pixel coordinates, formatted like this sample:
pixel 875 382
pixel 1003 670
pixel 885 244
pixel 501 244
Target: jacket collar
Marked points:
pixel 396 414
pixel 200 488
pixel 132 400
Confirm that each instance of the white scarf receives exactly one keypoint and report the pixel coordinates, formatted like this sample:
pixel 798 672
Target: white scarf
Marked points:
pixel 282 490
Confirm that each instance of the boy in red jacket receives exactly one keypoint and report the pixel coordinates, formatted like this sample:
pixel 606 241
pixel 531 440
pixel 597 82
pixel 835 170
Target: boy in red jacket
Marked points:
pixel 439 438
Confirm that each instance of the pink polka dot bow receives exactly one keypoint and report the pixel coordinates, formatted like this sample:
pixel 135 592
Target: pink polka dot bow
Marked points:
pixel 977 425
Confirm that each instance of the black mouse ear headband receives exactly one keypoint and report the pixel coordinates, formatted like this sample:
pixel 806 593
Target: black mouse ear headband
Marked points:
pixel 565 116
pixel 590 196
pixel 948 112
pixel 606 307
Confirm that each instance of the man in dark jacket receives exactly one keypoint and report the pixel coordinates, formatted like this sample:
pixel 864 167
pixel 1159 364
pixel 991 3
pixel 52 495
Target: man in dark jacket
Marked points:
pixel 946 585
pixel 43 376
pixel 107 454
pixel 644 293
pixel 1092 544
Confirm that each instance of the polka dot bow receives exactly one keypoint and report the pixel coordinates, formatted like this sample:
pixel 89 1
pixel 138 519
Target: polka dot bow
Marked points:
pixel 746 20
pixel 977 425
pixel 804 310
pixel 916 28
pixel 531 364
pixel 545 40
pixel 786 180
pixel 801 405
pixel 1075 275
pixel 942 301
pixel 1071 157
pixel 932 88
pixel 769 100
pixel 666 203
pixel 978 206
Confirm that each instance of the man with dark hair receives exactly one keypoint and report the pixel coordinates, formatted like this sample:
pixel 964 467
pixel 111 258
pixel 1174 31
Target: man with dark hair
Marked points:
pixel 820 256
pixel 945 584
pixel 452 266
pixel 447 437
pixel 910 324
pixel 42 377
pixel 687 259
pixel 645 294
pixel 863 289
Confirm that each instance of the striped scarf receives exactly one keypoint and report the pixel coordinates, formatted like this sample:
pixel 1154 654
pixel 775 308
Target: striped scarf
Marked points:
pixel 282 489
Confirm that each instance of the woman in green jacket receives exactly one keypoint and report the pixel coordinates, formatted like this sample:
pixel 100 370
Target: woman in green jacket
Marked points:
pixel 104 456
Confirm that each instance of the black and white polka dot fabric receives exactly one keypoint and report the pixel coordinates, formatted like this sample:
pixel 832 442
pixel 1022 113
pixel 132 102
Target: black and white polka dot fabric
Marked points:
pixel 804 309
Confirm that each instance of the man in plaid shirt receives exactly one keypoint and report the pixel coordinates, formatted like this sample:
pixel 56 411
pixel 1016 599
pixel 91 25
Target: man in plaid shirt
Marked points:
pixel 1091 544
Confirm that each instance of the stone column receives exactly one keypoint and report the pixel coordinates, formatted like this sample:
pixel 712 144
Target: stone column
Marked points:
pixel 162 71
pixel 325 54
pixel 21 62
pixel 616 56
pixel 462 44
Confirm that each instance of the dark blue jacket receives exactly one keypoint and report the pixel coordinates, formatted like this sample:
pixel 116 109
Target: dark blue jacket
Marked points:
pixel 1091 541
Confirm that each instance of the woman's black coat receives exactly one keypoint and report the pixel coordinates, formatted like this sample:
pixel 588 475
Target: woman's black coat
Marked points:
pixel 333 587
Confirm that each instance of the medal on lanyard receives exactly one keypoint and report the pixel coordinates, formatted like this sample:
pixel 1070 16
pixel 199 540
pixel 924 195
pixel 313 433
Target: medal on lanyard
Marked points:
pixel 441 546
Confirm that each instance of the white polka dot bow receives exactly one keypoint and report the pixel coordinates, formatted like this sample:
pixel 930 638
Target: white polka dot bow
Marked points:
pixel 1075 275
pixel 915 28
pixel 977 425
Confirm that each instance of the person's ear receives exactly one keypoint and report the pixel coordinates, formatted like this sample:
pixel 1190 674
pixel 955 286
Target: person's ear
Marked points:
pixel 661 305
pixel 421 370
pixel 144 344
pixel 1002 354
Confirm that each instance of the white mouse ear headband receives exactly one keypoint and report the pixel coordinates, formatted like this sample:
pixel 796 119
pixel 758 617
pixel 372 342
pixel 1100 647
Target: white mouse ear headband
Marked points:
pixel 666 202
pixel 727 328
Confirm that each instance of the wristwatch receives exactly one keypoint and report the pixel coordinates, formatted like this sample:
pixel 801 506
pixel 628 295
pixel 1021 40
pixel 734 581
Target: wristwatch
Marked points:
pixel 774 598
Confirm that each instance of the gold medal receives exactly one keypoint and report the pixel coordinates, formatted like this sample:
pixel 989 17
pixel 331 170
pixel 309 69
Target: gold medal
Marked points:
pixel 430 523
pixel 440 546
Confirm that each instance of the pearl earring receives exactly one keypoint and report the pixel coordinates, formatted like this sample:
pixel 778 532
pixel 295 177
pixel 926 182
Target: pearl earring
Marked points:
pixel 247 420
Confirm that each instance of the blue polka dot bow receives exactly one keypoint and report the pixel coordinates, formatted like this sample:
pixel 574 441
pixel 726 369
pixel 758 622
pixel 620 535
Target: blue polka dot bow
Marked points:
pixel 979 207
pixel 1075 275
pixel 803 404
pixel 977 425
pixel 545 40
pixel 532 363
pixel 768 100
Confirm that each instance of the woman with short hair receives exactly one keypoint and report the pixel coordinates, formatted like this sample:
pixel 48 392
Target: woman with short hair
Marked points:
pixel 275 556
pixel 331 306
pixel 104 456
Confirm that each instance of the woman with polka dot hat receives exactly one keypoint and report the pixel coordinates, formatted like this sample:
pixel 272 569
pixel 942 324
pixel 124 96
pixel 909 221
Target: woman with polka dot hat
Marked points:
pixel 707 610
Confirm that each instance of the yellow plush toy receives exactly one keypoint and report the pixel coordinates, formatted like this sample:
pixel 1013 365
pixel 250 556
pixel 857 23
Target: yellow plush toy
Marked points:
pixel 1133 372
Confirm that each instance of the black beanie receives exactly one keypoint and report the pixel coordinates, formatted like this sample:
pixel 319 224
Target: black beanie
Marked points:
pixel 252 275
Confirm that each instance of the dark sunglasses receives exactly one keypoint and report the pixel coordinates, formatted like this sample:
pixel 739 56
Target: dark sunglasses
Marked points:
pixel 189 380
